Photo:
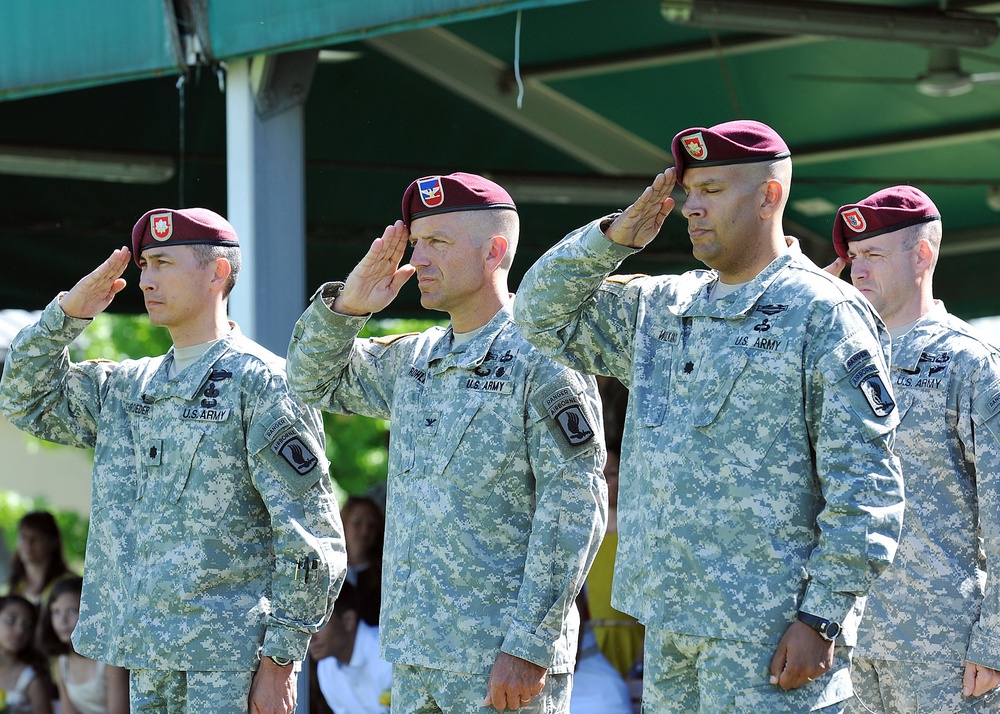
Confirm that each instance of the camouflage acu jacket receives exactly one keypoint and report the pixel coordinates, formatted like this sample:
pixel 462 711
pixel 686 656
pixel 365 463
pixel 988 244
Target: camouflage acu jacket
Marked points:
pixel 215 533
pixel 757 476
pixel 940 600
pixel 496 499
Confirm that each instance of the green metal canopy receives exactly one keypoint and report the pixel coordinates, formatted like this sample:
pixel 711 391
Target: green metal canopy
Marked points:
pixel 57 45
pixel 54 45
pixel 606 84
pixel 242 28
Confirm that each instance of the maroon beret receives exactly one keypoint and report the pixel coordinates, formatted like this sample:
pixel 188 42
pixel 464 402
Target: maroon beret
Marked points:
pixel 455 192
pixel 734 142
pixel 181 226
pixel 883 212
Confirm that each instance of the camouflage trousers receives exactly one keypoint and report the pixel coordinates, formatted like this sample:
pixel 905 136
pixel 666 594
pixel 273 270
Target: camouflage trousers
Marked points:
pixel 421 690
pixel 688 675
pixel 177 692
pixel 884 687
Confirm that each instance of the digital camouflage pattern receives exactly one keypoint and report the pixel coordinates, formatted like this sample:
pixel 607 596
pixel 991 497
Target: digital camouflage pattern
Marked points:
pixel 937 604
pixel 757 477
pixel 496 499
pixel 215 534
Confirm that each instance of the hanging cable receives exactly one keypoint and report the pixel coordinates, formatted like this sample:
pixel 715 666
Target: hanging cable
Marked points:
pixel 517 60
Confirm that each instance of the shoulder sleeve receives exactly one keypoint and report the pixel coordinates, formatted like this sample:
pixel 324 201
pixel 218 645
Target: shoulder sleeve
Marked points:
pixel 852 417
pixel 43 392
pixel 566 453
pixel 330 368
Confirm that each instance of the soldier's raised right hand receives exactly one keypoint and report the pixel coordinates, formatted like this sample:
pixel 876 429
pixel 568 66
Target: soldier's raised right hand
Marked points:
pixel 94 292
pixel 377 279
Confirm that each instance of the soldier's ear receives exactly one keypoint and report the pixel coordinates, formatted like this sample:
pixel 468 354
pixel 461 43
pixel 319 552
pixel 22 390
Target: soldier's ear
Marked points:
pixel 772 193
pixel 223 270
pixel 497 250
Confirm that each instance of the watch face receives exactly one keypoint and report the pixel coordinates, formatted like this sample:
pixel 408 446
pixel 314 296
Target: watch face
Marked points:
pixel 831 631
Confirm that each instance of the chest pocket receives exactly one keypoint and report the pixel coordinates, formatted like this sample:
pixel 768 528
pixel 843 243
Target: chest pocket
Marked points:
pixel 651 374
pixel 169 462
pixel 745 400
pixel 408 426
pixel 479 429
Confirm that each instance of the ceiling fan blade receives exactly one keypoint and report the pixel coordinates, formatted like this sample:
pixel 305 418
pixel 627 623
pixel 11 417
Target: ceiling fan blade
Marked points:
pixel 852 80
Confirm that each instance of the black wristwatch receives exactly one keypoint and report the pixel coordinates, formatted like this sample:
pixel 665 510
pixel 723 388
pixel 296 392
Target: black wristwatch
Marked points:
pixel 827 629
pixel 281 661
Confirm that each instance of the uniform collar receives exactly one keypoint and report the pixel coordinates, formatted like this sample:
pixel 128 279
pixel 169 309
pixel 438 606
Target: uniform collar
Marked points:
pixel 474 352
pixel 907 350
pixel 189 383
pixel 740 303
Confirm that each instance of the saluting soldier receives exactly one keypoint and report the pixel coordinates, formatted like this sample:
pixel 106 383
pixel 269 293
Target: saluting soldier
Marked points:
pixel 496 500
pixel 758 496
pixel 215 545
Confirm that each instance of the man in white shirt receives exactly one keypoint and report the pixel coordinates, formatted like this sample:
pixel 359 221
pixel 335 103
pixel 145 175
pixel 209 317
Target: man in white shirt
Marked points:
pixel 353 677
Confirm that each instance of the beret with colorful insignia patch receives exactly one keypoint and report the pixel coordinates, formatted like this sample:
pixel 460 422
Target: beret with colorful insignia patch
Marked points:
pixel 885 211
pixel 181 226
pixel 733 142
pixel 459 191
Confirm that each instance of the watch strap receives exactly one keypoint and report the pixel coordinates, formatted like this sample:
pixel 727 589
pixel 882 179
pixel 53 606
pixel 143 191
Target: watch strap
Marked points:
pixel 827 629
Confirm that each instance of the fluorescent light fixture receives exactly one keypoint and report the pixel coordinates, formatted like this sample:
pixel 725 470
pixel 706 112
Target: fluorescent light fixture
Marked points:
pixel 85 165
pixel 846 20
pixel 333 56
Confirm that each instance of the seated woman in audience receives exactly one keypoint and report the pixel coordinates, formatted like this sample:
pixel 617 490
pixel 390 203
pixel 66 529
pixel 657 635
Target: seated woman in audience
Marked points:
pixel 85 686
pixel 23 669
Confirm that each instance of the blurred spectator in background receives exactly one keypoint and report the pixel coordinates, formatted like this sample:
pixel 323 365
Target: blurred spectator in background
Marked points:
pixel 85 685
pixel 352 676
pixel 38 560
pixel 598 688
pixel 364 531
pixel 24 680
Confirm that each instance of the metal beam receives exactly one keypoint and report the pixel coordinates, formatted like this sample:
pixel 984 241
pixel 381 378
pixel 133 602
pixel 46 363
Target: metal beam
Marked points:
pixel 862 149
pixel 546 114
pixel 662 57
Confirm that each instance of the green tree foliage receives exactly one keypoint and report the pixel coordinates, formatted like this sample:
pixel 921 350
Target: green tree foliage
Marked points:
pixel 119 337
